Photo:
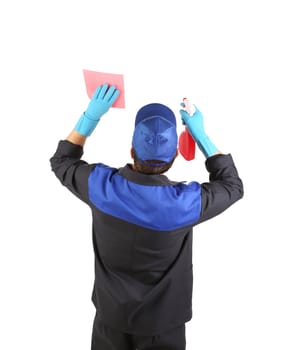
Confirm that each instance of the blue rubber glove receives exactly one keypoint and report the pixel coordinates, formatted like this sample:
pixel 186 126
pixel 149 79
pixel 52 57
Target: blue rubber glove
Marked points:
pixel 102 99
pixel 194 124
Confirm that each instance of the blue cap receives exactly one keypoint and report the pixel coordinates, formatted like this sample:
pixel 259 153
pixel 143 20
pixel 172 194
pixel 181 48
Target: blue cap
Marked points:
pixel 155 135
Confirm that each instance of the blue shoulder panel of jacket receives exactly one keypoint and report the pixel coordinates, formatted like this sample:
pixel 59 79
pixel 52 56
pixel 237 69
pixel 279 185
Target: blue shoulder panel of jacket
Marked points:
pixel 162 208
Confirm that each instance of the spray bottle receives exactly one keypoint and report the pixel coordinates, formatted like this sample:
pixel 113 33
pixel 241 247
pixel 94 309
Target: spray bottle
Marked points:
pixel 186 144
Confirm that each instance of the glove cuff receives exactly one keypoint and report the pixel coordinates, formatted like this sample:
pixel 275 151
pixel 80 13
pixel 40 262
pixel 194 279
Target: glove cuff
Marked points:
pixel 206 146
pixel 85 126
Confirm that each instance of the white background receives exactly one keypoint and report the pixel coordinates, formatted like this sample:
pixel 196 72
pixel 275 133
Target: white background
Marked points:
pixel 238 61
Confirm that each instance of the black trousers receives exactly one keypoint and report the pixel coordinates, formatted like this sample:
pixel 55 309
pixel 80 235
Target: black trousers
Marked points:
pixel 106 338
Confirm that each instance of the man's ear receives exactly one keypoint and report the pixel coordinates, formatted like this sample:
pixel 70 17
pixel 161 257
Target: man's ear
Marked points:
pixel 132 152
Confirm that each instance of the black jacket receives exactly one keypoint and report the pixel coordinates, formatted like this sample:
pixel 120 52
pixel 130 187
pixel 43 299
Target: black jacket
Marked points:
pixel 142 235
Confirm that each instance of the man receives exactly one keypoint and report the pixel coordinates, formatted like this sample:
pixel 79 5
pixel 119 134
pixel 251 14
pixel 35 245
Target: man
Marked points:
pixel 143 224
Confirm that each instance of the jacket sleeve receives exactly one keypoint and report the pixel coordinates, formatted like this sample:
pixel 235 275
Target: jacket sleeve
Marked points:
pixel 224 187
pixel 71 171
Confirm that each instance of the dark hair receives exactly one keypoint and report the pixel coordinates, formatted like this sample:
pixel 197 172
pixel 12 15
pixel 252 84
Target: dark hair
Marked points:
pixel 145 168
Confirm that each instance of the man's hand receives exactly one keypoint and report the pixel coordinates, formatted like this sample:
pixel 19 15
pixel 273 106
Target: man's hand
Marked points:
pixel 194 124
pixel 102 99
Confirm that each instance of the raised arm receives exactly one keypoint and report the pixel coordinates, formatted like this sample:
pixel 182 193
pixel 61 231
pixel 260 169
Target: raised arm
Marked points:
pixel 66 162
pixel 224 187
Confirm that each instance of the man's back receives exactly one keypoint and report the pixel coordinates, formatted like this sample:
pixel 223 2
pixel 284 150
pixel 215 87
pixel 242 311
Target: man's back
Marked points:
pixel 143 224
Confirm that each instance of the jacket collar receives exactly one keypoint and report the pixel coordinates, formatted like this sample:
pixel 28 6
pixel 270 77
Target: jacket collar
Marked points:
pixel 144 179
